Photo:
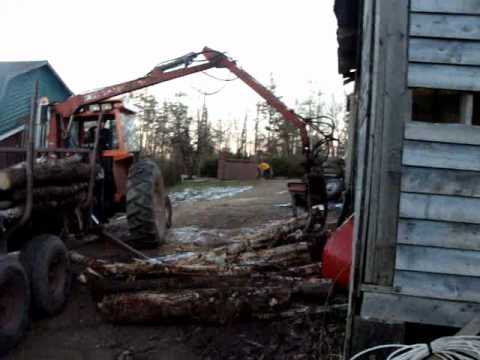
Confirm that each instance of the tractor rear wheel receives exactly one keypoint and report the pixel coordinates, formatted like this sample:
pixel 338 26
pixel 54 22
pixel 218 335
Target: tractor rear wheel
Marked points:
pixel 146 213
pixel 14 303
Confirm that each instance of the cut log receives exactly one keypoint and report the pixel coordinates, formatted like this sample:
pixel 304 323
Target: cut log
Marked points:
pixel 50 172
pixel 274 234
pixel 101 287
pixel 304 310
pixel 153 269
pixel 51 192
pixel 308 289
pixel 205 305
pixel 16 212
pixel 280 257
pixel 314 269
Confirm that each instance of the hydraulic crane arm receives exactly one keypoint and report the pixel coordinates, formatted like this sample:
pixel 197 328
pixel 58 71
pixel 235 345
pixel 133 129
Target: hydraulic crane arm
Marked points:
pixel 156 76
pixel 168 72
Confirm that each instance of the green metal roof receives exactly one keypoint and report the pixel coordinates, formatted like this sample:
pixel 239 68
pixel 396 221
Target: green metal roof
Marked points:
pixel 17 81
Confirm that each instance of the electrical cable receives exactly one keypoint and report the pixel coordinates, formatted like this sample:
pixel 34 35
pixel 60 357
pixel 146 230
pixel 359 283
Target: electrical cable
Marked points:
pixel 204 93
pixel 445 348
pixel 217 78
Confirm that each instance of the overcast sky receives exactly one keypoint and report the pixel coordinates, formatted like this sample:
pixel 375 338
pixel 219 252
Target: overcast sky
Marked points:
pixel 96 43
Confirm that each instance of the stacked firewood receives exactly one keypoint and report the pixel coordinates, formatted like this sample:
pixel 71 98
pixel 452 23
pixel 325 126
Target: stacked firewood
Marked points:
pixel 57 184
pixel 261 276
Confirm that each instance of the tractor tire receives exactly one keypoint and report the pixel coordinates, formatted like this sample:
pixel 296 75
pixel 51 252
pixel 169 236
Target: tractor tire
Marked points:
pixel 47 265
pixel 14 303
pixel 146 213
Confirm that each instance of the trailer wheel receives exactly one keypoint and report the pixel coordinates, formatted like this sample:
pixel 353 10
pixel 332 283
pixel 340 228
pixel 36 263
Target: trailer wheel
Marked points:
pixel 47 264
pixel 146 214
pixel 14 303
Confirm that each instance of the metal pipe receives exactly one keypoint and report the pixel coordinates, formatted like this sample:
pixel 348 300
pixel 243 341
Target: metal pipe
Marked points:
pixel 9 149
pixel 93 164
pixel 123 245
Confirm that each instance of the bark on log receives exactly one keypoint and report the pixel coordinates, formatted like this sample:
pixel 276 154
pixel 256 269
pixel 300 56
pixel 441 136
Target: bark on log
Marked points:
pixel 279 257
pixel 51 192
pixel 306 288
pixel 152 269
pixel 205 305
pixel 49 172
pixel 273 235
pixel 304 271
pixel 16 212
pixel 304 310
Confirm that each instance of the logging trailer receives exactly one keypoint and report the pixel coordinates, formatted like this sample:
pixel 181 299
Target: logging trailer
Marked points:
pixel 92 128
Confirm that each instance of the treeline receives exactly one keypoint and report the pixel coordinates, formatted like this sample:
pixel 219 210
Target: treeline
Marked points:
pixel 190 144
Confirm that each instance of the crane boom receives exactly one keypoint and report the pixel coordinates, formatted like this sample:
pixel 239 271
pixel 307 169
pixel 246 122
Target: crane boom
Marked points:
pixel 166 72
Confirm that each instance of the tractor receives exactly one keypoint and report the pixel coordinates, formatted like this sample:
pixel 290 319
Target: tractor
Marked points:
pixel 97 129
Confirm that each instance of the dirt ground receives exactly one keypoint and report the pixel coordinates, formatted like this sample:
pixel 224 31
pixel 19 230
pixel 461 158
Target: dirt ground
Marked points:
pixel 80 334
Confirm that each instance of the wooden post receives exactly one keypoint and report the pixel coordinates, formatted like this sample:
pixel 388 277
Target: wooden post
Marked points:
pixel 384 105
pixel 392 112
pixel 361 126
pixel 466 108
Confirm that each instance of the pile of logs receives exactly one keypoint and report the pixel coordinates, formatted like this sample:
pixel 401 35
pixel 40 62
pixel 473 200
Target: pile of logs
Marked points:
pixel 57 183
pixel 262 276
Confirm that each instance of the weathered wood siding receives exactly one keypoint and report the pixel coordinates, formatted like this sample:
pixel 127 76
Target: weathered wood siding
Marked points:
pixel 444 44
pixel 438 239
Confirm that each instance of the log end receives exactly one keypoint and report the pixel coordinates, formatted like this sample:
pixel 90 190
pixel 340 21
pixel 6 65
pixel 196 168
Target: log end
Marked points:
pixel 5 183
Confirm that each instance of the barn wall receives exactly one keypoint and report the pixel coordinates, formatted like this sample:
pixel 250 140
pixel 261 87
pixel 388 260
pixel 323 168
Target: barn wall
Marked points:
pixel 438 249
pixel 444 46
pixel 435 277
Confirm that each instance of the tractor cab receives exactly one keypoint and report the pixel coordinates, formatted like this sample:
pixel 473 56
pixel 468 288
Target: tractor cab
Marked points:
pixel 116 147
pixel 116 136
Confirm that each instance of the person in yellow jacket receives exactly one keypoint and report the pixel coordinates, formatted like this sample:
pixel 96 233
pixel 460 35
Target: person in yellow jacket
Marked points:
pixel 265 170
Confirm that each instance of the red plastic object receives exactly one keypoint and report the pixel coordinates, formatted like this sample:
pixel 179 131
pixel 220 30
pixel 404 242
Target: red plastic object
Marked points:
pixel 337 255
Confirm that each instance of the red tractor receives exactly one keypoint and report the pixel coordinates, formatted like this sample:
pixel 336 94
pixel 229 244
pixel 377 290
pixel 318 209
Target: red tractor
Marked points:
pixel 137 186
pixel 94 128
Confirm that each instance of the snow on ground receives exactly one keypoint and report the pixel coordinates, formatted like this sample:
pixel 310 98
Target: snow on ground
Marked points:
pixel 207 193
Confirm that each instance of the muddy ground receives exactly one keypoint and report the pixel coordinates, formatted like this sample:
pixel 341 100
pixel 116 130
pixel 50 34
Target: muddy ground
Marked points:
pixel 80 334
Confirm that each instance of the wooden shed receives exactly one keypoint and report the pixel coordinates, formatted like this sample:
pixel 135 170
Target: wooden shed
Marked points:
pixel 415 128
